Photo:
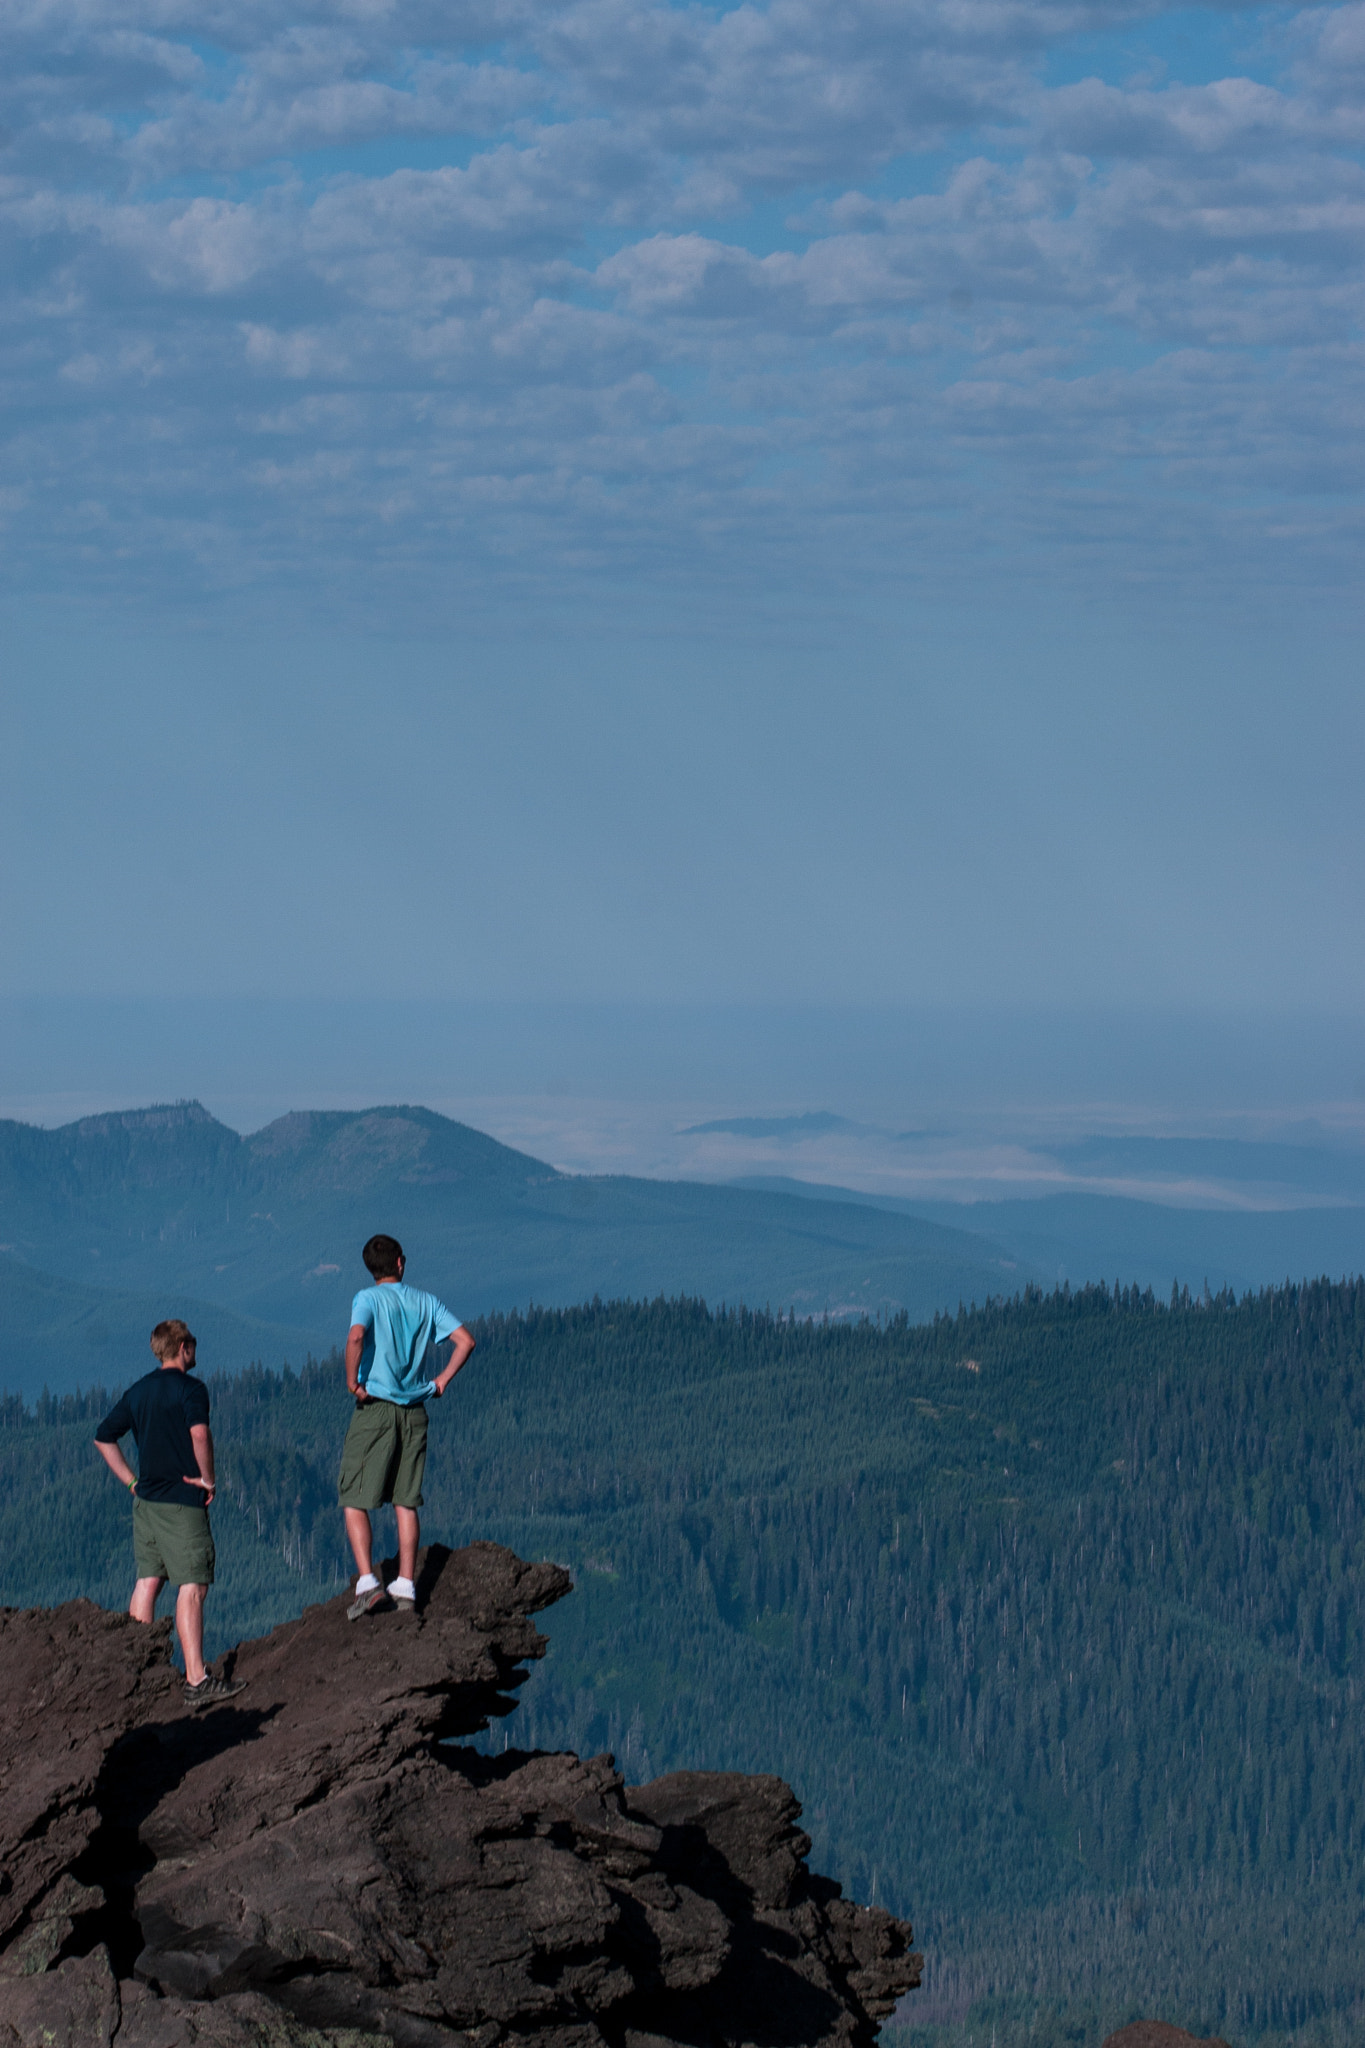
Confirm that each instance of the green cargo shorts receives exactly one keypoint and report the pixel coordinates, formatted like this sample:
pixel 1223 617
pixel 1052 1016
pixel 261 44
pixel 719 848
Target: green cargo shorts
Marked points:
pixel 172 1542
pixel 384 1456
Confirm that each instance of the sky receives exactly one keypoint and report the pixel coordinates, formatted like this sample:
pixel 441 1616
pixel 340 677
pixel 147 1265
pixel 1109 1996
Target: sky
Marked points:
pixel 608 503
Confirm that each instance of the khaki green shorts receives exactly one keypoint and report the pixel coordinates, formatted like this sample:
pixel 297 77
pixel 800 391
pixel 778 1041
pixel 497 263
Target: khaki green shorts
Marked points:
pixel 172 1542
pixel 384 1456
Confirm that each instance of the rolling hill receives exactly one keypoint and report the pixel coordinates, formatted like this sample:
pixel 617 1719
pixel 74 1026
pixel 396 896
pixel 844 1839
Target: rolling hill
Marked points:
pixel 61 1335
pixel 167 1203
pixel 1080 1237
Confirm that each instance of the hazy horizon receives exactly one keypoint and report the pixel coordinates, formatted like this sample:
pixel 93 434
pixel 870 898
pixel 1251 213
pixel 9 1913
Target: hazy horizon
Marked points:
pixel 950 1105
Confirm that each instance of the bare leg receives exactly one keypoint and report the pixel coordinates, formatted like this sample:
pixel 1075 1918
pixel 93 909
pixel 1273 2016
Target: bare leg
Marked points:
pixel 358 1529
pixel 142 1606
pixel 189 1626
pixel 409 1529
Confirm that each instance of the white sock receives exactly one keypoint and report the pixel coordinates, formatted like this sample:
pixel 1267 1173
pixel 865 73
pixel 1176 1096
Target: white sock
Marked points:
pixel 402 1589
pixel 366 1583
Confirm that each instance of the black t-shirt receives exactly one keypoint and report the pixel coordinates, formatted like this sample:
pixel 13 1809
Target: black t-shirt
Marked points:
pixel 160 1410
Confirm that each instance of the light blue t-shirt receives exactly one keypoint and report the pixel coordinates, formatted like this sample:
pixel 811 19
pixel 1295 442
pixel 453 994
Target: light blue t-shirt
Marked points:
pixel 401 1324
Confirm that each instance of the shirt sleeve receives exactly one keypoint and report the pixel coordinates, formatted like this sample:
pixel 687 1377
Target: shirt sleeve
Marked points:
pixel 116 1423
pixel 362 1310
pixel 443 1323
pixel 196 1402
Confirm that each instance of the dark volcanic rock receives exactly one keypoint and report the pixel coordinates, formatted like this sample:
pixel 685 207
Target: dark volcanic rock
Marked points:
pixel 317 1864
pixel 73 1680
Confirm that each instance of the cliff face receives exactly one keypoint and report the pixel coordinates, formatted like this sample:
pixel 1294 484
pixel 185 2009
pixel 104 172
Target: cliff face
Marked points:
pixel 318 1862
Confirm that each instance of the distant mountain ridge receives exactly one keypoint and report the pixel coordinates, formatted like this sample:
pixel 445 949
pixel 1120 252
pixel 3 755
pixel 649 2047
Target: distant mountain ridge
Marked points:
pixel 181 1146
pixel 167 1202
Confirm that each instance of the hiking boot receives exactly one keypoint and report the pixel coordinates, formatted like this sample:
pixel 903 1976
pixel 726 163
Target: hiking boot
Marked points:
pixel 364 1602
pixel 211 1691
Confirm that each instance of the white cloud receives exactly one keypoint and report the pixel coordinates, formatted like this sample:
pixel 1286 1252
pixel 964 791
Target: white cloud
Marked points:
pixel 673 290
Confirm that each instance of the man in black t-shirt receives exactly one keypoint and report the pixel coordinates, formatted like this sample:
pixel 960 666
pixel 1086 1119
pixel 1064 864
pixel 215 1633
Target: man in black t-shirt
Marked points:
pixel 168 1414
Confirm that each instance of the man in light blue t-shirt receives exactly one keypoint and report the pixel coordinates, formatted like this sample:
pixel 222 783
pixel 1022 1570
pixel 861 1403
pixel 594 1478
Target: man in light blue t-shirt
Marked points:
pixel 393 1331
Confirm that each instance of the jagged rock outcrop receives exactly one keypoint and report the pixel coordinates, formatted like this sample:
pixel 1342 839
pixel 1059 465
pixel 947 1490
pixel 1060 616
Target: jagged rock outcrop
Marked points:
pixel 322 1863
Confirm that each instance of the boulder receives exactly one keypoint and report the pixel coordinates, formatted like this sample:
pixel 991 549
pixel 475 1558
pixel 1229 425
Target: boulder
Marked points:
pixel 325 1859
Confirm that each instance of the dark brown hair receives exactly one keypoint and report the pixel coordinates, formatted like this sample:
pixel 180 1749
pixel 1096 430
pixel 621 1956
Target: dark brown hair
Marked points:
pixel 382 1255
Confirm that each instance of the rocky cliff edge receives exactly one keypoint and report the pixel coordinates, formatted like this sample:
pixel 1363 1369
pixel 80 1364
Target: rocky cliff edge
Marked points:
pixel 324 1863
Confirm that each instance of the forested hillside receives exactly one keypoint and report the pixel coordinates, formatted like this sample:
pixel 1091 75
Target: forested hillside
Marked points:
pixel 1053 1611
pixel 58 1334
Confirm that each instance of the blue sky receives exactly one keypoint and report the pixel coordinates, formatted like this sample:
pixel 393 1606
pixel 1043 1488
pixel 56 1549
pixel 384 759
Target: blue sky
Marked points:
pixel 614 502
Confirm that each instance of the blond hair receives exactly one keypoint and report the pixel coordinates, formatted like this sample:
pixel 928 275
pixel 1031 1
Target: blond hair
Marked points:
pixel 169 1338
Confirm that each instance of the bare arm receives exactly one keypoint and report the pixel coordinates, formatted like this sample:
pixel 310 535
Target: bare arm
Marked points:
pixel 201 1436
pixel 117 1463
pixel 461 1344
pixel 355 1346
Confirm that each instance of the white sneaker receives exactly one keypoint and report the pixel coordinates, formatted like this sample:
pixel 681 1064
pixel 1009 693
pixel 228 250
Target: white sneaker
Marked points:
pixel 403 1594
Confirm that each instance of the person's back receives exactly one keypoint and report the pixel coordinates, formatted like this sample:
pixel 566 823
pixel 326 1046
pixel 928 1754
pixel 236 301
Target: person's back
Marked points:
pixel 161 1409
pixel 401 1325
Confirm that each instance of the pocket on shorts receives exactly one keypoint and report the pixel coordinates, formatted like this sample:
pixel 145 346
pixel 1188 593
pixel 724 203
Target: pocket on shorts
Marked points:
pixel 368 1455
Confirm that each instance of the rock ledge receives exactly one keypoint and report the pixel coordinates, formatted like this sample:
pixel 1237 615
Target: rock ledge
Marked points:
pixel 322 1864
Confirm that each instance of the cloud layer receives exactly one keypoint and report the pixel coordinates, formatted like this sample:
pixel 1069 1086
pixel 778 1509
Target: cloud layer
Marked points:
pixel 456 303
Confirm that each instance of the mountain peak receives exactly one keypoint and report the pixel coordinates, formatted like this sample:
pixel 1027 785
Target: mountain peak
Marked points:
pixel 348 1150
pixel 158 1119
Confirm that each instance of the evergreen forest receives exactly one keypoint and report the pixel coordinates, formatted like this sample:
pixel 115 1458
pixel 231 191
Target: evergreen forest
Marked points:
pixel 1052 1611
